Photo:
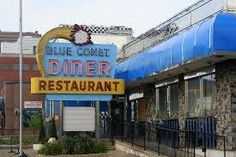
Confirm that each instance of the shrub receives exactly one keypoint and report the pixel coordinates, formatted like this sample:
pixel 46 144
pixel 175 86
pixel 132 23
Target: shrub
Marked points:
pixel 100 148
pixel 70 144
pixel 86 145
pixel 35 122
pixel 82 144
pixel 51 149
pixel 15 140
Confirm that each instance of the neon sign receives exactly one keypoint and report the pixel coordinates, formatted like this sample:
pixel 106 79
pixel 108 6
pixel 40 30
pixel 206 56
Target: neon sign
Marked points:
pixel 78 70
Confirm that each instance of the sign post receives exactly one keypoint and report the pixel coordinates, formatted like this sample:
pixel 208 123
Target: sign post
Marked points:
pixel 20 76
pixel 97 106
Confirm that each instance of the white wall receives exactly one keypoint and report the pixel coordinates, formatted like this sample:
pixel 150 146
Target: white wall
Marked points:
pixel 118 40
pixel 14 47
pixel 78 118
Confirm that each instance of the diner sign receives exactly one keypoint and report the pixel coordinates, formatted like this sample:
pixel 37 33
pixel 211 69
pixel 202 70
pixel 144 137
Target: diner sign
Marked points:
pixel 75 70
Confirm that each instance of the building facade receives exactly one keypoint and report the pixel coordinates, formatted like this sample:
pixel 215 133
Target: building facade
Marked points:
pixel 186 81
pixel 9 73
pixel 9 42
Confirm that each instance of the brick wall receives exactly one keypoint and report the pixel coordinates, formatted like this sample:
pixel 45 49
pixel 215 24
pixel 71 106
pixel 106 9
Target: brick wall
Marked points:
pixel 11 97
pixel 13 75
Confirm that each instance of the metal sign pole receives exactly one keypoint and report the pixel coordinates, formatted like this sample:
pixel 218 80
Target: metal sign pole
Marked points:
pixel 97 116
pixel 20 73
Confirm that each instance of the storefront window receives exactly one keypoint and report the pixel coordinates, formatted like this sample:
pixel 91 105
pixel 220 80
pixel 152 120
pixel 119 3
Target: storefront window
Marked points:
pixel 163 99
pixel 201 95
pixel 174 101
pixel 168 100
pixel 194 107
pixel 209 94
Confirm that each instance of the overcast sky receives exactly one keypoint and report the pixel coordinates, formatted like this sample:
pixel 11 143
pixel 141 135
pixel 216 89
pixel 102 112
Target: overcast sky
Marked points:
pixel 42 15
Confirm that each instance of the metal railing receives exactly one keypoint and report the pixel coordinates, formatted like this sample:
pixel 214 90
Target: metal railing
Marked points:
pixel 166 141
pixel 197 12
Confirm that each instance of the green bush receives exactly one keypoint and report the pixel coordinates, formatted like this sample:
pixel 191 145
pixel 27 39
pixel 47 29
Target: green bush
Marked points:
pixel 82 144
pixel 35 122
pixel 100 148
pixel 86 145
pixel 52 149
pixel 73 145
pixel 70 144
pixel 15 140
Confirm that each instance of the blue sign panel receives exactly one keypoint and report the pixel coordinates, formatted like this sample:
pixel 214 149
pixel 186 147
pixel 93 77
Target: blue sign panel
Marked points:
pixel 71 61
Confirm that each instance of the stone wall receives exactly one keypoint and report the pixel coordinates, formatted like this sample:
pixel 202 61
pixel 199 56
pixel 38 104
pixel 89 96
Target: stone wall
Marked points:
pixel 226 102
pixel 150 100
pixel 182 104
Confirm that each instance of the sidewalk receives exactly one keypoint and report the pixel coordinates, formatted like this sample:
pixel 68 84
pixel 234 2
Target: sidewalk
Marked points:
pixel 31 153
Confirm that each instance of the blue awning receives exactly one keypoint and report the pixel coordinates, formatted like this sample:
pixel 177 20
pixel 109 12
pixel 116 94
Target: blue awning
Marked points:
pixel 214 36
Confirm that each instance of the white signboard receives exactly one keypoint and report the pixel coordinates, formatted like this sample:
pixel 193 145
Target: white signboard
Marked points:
pixel 33 104
pixel 79 119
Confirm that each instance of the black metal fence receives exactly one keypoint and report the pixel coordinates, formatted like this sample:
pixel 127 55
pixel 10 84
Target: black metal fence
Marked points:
pixel 167 141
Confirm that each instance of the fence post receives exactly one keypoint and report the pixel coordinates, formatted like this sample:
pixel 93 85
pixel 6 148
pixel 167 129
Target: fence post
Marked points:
pixel 123 128
pixel 194 143
pixel 144 137
pixel 158 134
pixel 224 147
pixel 111 128
pixel 175 134
pixel 132 127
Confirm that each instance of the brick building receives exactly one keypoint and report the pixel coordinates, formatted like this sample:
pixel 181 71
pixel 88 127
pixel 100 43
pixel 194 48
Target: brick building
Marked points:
pixel 9 68
pixel 11 97
pixel 9 77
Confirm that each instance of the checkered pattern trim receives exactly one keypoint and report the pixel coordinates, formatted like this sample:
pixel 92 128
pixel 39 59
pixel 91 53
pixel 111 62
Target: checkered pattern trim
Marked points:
pixel 103 30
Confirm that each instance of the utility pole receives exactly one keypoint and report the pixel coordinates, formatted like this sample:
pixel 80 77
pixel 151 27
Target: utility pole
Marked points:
pixel 20 75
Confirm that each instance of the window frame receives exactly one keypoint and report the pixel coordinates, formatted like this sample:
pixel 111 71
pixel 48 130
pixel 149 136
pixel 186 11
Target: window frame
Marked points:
pixel 167 83
pixel 200 76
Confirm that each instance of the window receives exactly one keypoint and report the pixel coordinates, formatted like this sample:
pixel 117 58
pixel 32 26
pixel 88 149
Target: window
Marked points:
pixel 34 49
pixel 5 67
pixel 200 95
pixel 138 110
pixel 174 99
pixel 163 99
pixel 194 102
pixel 167 100
pixel 47 108
pixel 209 94
pixel 26 67
pixel 35 67
pixel 16 67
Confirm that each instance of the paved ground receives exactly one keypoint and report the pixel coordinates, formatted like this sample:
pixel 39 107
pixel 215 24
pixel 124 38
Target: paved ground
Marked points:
pixel 31 153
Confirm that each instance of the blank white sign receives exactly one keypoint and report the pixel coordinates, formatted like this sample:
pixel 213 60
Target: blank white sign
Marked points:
pixel 79 119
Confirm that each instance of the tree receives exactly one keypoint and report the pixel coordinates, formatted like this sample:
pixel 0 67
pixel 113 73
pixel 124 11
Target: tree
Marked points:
pixel 42 136
pixel 35 122
pixel 52 131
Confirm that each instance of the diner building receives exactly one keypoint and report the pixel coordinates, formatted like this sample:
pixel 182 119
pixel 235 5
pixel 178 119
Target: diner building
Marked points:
pixel 182 73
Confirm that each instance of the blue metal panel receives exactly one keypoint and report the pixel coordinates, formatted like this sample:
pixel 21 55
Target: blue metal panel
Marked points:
pixel 72 103
pixel 202 48
pixel 103 106
pixel 177 49
pixel 224 33
pixel 215 35
pixel 188 44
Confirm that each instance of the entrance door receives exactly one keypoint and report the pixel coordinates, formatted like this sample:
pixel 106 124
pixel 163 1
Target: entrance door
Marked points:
pixel 117 115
